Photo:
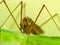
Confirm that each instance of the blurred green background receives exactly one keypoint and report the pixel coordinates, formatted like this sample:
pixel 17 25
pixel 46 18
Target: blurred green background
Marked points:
pixel 15 38
pixel 32 8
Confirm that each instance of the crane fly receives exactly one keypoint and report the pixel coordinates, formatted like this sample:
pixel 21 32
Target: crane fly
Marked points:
pixel 27 25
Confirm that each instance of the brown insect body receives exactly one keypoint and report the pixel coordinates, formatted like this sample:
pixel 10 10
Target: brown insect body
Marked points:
pixel 29 27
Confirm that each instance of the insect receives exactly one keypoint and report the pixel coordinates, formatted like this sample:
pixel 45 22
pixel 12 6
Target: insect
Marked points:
pixel 27 25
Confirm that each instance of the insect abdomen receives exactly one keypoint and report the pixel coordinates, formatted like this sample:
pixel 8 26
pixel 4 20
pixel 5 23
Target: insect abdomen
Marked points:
pixel 37 30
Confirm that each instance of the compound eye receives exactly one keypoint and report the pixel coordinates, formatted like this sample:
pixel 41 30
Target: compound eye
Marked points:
pixel 20 24
pixel 25 25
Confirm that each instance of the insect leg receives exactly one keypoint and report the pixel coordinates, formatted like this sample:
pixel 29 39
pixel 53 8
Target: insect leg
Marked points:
pixel 39 13
pixel 1 2
pixel 21 9
pixel 52 18
pixel 10 15
pixel 24 8
pixel 49 19
pixel 49 14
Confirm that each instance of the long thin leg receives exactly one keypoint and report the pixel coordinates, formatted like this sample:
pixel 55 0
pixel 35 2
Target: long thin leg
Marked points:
pixel 10 15
pixel 1 2
pixel 17 17
pixel 39 13
pixel 49 15
pixel 49 20
pixel 21 9
pixel 24 9
pixel 21 14
pixel 58 18
pixel 4 22
pixel 52 18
